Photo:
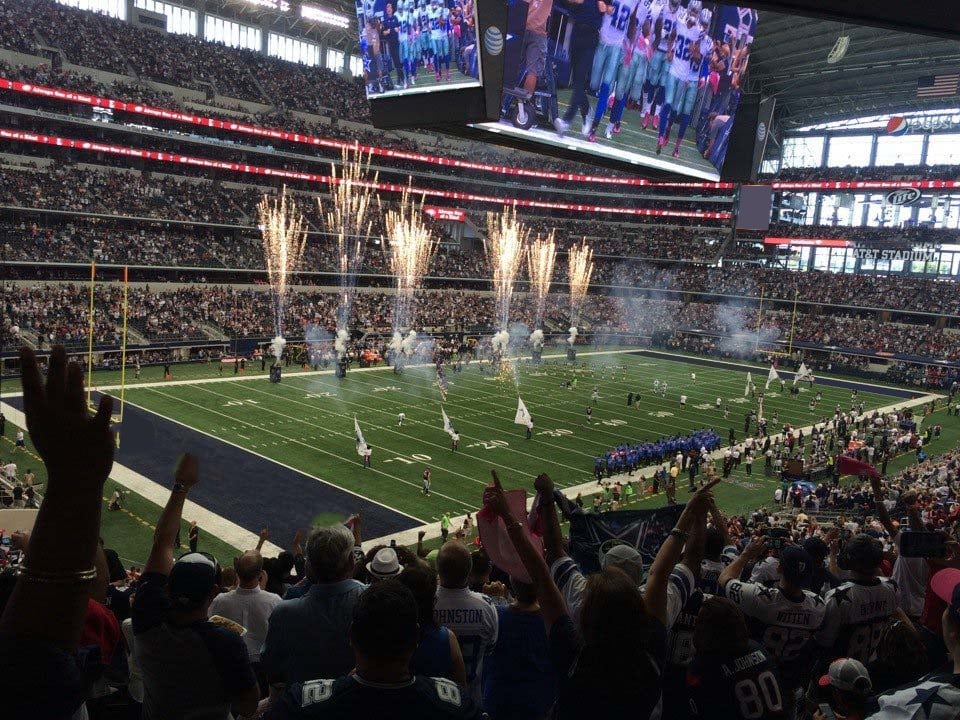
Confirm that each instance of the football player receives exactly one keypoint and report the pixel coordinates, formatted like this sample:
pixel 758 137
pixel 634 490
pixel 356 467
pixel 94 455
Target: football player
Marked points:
pixel 683 42
pixel 633 72
pixel 608 57
pixel 659 65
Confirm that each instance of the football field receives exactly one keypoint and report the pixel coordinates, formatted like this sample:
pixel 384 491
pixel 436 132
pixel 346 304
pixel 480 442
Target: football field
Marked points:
pixel 284 455
pixel 306 422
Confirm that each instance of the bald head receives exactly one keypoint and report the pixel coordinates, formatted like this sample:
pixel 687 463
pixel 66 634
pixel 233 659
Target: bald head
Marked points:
pixel 453 565
pixel 249 565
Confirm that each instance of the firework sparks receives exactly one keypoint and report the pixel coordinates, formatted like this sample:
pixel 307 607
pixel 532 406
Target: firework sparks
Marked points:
pixel 284 239
pixel 505 246
pixel 348 217
pixel 412 246
pixel 580 269
pixel 540 259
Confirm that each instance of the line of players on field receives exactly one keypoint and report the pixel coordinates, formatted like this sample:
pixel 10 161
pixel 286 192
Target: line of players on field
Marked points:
pixel 669 59
pixel 419 34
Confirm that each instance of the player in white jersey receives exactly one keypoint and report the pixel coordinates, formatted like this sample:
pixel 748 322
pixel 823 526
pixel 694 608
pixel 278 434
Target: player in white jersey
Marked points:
pixel 859 610
pixel 690 46
pixel 608 56
pixel 471 616
pixel 423 29
pixel 632 76
pixel 656 74
pixel 784 619
pixel 408 40
pixel 438 38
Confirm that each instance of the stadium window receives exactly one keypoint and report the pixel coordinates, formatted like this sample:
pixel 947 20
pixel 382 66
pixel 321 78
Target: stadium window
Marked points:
pixel 233 34
pixel 847 151
pixel 180 20
pixel 800 152
pixel 293 50
pixel 113 8
pixel 335 59
pixel 356 65
pixel 944 150
pixel 903 150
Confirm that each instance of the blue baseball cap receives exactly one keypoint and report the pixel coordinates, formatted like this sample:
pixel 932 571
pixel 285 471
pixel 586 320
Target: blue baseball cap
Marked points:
pixel 796 564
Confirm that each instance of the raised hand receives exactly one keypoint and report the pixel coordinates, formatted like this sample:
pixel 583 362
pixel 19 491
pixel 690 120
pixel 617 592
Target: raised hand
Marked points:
pixel 188 471
pixel 543 484
pixel 494 498
pixel 76 448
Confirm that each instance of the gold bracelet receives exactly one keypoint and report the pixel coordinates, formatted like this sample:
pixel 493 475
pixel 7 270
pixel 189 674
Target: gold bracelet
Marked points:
pixel 65 576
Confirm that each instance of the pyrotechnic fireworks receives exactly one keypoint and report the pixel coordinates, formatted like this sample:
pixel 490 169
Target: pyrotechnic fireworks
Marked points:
pixel 505 246
pixel 284 238
pixel 411 249
pixel 540 259
pixel 579 271
pixel 348 217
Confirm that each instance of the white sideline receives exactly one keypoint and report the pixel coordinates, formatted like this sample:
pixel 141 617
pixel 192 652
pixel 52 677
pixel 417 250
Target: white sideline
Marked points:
pixel 409 537
pixel 208 521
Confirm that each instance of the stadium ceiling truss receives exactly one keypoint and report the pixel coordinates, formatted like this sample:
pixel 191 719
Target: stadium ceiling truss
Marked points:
pixel 877 75
pixel 291 23
pixel 789 60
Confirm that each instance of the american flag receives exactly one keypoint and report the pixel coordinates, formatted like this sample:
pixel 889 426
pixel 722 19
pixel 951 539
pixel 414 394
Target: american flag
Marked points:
pixel 933 86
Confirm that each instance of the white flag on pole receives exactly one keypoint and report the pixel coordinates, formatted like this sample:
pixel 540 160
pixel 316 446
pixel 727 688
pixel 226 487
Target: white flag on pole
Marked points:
pixel 361 443
pixel 523 415
pixel 803 373
pixel 771 376
pixel 760 409
pixel 746 390
pixel 447 425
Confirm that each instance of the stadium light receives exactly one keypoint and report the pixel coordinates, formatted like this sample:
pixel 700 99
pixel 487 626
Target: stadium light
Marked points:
pixel 318 14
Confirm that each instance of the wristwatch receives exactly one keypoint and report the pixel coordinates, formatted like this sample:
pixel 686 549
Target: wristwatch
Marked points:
pixel 679 534
pixel 179 488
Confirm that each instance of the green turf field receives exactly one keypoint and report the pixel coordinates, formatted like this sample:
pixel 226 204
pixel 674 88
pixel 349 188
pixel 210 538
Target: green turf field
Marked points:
pixel 307 422
pixel 310 418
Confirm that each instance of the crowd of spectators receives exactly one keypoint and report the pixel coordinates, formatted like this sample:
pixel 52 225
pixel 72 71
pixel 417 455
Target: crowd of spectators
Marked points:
pixel 512 624
pixel 57 313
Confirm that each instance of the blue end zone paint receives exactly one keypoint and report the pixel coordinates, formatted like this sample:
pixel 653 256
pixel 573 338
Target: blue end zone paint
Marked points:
pixel 864 385
pixel 248 490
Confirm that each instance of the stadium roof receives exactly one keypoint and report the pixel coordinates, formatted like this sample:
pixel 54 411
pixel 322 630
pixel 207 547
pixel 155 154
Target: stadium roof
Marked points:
pixel 878 74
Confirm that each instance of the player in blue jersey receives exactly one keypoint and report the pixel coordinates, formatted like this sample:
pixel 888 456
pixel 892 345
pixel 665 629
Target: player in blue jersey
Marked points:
pixel 609 56
pixel 659 63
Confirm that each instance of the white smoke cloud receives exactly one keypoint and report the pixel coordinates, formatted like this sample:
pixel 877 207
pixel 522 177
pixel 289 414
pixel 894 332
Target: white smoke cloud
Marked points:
pixel 573 336
pixel 396 342
pixel 409 343
pixel 500 341
pixel 340 344
pixel 536 339
pixel 276 347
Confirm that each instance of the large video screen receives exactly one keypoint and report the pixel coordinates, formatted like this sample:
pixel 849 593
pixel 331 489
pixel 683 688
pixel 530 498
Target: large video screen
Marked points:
pixel 655 83
pixel 418 46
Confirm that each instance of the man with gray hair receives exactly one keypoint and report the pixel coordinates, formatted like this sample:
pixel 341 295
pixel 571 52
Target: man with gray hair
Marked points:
pixel 308 637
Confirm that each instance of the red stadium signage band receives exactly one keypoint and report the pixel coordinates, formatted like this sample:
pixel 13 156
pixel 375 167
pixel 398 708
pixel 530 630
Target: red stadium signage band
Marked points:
pixel 86 145
pixel 869 185
pixel 808 242
pixel 247 129
pixel 444 213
